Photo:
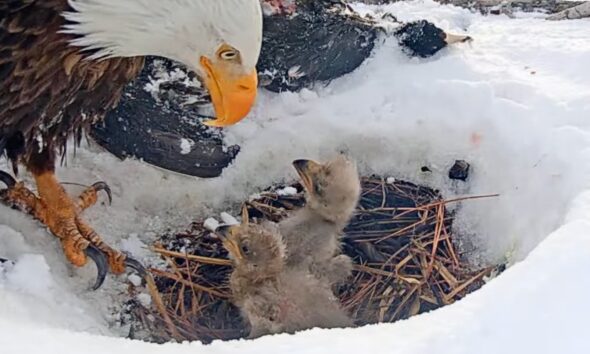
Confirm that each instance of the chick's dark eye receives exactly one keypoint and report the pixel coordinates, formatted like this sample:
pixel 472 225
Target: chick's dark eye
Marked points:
pixel 245 249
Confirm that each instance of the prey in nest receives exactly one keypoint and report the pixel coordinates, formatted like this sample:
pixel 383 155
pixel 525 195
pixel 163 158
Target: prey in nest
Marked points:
pixel 399 238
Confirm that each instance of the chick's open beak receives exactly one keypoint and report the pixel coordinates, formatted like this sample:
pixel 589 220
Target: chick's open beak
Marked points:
pixel 232 94
pixel 306 170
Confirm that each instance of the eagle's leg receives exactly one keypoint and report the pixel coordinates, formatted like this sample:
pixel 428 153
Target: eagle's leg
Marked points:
pixel 115 258
pixel 17 195
pixel 61 214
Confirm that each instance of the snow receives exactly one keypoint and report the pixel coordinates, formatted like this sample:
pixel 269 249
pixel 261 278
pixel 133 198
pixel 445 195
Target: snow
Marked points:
pixel 163 76
pixel 228 219
pixel 144 299
pixel 186 146
pixel 135 246
pixel 287 191
pixel 211 224
pixel 134 279
pixel 514 103
pixel 29 292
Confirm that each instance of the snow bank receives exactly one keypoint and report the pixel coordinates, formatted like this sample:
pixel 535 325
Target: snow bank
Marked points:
pixel 29 293
pixel 514 103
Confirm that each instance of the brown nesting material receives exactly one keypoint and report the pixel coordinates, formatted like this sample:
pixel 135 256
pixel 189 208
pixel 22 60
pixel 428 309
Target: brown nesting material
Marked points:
pixel 400 239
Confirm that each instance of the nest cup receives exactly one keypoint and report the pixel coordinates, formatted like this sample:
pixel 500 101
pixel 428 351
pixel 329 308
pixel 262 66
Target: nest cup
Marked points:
pixel 400 238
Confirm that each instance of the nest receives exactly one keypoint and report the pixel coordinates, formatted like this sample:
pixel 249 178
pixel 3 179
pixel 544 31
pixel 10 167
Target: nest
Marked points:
pixel 400 239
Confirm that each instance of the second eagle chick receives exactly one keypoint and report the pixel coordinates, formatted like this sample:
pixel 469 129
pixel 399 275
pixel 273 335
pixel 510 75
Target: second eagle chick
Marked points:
pixel 275 299
pixel 312 234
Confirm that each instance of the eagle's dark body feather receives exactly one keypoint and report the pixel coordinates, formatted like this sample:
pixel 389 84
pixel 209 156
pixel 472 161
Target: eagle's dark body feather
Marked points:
pixel 48 91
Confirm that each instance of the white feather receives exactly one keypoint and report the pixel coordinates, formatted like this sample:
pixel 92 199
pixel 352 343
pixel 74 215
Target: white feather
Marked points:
pixel 182 30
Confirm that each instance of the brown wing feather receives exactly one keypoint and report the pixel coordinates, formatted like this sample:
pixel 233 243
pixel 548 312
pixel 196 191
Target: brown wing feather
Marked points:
pixel 48 91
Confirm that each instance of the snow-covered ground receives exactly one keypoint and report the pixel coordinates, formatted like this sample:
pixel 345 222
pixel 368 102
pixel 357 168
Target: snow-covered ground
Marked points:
pixel 515 103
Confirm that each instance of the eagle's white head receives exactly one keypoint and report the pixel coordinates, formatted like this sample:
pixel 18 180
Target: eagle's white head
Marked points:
pixel 219 39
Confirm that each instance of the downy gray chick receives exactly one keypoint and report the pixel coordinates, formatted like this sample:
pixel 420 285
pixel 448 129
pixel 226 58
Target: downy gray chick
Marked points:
pixel 312 234
pixel 272 298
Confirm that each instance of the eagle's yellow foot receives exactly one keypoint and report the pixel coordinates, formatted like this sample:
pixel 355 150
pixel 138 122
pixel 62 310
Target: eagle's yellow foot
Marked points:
pixel 54 208
pixel 89 197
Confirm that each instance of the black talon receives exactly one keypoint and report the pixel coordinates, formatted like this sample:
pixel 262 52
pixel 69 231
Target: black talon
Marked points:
pixel 102 186
pixel 135 265
pixel 100 260
pixel 7 179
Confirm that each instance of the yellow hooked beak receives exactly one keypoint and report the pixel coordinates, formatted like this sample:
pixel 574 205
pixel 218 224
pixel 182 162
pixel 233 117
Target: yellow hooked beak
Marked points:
pixel 232 94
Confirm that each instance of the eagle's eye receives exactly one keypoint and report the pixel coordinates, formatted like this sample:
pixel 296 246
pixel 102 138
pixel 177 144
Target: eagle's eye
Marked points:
pixel 228 54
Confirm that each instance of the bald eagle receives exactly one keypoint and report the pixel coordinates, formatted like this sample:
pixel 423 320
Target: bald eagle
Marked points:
pixel 64 64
